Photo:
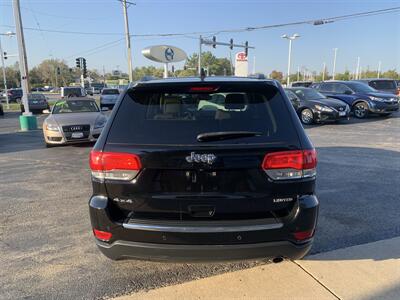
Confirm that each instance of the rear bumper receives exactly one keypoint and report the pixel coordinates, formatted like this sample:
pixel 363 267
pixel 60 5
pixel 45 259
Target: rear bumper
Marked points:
pixel 164 252
pixel 209 241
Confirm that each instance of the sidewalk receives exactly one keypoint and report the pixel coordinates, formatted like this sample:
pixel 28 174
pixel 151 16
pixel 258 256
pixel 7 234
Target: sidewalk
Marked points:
pixel 370 271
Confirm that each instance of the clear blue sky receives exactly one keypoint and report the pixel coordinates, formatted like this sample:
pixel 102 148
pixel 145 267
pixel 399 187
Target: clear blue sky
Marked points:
pixel 374 39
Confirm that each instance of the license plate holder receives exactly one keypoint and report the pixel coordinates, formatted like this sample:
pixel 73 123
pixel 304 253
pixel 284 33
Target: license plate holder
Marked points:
pixel 77 135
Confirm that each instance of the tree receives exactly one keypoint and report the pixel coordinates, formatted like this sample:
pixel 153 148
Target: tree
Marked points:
pixel 276 75
pixel 216 66
pixel 139 73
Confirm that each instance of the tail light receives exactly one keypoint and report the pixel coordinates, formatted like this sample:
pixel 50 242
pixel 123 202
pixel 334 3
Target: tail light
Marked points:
pixel 114 165
pixel 303 235
pixel 285 165
pixel 102 235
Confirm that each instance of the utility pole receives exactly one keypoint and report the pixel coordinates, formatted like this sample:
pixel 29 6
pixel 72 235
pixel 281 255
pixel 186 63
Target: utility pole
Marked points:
pixel 199 62
pixel 323 71
pixel 334 63
pixel 4 68
pixel 254 64
pixel 23 64
pixel 128 41
pixel 379 69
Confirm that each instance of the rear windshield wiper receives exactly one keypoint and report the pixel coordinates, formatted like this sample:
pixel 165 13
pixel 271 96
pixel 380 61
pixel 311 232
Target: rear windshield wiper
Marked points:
pixel 225 135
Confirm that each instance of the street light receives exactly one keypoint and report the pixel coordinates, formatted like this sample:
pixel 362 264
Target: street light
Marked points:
pixel 8 33
pixel 290 38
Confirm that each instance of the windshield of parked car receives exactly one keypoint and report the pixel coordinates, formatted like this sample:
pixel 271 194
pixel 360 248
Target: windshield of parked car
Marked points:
pixel 75 106
pixel 110 92
pixel 359 87
pixel 308 94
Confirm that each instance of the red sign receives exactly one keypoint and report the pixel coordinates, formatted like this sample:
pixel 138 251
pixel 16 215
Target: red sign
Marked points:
pixel 241 56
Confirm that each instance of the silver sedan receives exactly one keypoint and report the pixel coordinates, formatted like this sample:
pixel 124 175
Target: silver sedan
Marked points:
pixel 73 120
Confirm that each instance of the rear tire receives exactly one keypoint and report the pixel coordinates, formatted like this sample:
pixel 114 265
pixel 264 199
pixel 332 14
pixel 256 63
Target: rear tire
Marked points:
pixel 307 116
pixel 17 100
pixel 360 110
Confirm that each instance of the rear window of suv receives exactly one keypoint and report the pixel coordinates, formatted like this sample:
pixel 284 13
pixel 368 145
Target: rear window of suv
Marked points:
pixel 383 84
pixel 176 115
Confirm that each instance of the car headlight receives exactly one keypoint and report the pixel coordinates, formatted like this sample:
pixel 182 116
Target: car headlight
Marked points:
pixel 376 98
pixel 52 127
pixel 100 123
pixel 323 108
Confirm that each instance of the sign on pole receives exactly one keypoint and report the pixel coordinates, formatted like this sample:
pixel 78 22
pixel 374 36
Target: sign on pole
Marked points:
pixel 241 64
pixel 164 54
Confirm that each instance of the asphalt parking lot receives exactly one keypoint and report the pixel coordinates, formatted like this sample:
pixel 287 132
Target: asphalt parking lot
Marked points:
pixel 45 236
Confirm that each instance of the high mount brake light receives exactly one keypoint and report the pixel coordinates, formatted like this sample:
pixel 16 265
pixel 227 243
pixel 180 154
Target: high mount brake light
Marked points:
pixel 285 165
pixel 114 165
pixel 203 89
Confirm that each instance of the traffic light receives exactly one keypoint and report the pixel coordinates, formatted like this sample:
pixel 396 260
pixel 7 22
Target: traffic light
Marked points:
pixel 214 41
pixel 58 71
pixel 246 49
pixel 5 55
pixel 231 46
pixel 70 70
pixel 84 70
pixel 78 62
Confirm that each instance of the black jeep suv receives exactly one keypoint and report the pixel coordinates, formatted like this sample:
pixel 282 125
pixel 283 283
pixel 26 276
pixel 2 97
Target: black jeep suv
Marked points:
pixel 203 169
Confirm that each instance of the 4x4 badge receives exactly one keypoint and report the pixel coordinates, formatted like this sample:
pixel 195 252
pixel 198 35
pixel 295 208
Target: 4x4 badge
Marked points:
pixel 201 158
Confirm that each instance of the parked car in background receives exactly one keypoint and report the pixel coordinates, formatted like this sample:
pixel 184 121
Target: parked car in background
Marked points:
pixel 109 97
pixel 301 83
pixel 89 91
pixel 37 103
pixel 383 85
pixel 72 91
pixel 361 98
pixel 313 107
pixel 38 89
pixel 98 87
pixel 214 169
pixel 14 95
pixel 73 120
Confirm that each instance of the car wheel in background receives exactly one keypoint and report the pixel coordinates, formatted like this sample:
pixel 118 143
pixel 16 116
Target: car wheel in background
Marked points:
pixel 17 100
pixel 307 116
pixel 1 112
pixel 49 145
pixel 360 110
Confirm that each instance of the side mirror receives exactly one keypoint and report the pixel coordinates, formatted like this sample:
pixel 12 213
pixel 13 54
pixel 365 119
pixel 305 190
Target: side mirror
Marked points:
pixel 348 92
pixel 46 111
pixel 104 109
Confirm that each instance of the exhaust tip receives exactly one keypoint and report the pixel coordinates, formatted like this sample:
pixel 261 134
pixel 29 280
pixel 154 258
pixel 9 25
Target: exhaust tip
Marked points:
pixel 277 260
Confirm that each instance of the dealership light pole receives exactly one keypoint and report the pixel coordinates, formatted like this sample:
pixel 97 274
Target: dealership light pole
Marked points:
pixel 358 68
pixel 379 69
pixel 4 67
pixel 334 63
pixel 290 38
pixel 323 71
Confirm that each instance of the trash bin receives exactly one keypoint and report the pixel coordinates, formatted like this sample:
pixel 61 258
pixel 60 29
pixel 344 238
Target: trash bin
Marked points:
pixel 28 122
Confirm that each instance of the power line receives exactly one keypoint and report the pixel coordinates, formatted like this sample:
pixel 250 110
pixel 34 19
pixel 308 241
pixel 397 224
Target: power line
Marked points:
pixel 244 29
